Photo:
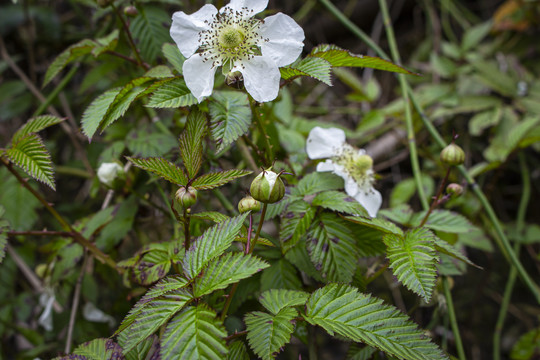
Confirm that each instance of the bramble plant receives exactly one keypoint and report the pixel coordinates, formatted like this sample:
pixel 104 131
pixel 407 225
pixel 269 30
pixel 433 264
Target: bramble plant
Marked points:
pixel 198 215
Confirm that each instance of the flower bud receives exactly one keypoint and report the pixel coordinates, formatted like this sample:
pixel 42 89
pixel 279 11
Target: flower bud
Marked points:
pixel 186 197
pixel 248 204
pixel 453 155
pixel 454 189
pixel 109 172
pixel 131 11
pixel 267 187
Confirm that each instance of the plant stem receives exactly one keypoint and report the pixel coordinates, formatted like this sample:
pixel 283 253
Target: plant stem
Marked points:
pixel 261 221
pixel 187 218
pixel 452 316
pixel 75 305
pixel 101 256
pixel 248 240
pixel 41 233
pixel 56 90
pixel 256 113
pixel 520 225
pixel 130 38
pixel 436 198
pixel 408 113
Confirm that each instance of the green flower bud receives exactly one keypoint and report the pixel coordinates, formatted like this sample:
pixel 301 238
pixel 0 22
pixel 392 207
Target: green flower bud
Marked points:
pixel 454 189
pixel 453 155
pixel 248 204
pixel 267 187
pixel 131 11
pixel 186 197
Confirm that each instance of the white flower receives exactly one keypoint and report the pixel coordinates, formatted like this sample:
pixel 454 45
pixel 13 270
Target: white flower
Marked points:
pixel 233 39
pixel 353 165
pixel 107 172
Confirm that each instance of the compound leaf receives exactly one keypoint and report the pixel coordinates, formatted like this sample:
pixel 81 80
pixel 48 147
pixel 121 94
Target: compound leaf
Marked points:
pixel 217 179
pixel 163 168
pixel 35 125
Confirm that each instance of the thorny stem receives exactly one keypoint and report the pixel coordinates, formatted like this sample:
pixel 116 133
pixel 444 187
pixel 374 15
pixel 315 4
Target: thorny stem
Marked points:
pixel 104 258
pixel 453 320
pixel 504 244
pixel 436 197
pixel 260 125
pixel 520 225
pixel 408 113
pixel 187 219
pixel 130 39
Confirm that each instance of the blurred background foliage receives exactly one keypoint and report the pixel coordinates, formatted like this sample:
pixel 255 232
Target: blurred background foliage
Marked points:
pixel 479 77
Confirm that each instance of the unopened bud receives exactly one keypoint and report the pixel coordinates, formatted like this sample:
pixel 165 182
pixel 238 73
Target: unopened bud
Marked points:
pixel 109 172
pixel 454 189
pixel 186 197
pixel 248 204
pixel 131 11
pixel 267 187
pixel 453 155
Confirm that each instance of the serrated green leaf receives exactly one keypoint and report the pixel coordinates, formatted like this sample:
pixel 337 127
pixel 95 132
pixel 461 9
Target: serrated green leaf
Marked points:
pixel 444 220
pixel 95 112
pixel 151 317
pixel 474 35
pixel 191 141
pixel 413 260
pixel 143 143
pixel 35 125
pixel 527 346
pixel 341 309
pixel 280 275
pixel 268 333
pixel 73 52
pixel 212 243
pixel 299 257
pixel 276 299
pixel 230 117
pixel 225 270
pixel 214 216
pixel 30 154
pixel 163 168
pixel 294 223
pixel 106 43
pixel 99 349
pixel 315 67
pixel 339 201
pixel 217 179
pixel 195 333
pixel 332 249
pixel 445 248
pixel 237 351
pixel 483 120
pixel 357 352
pixel 317 182
pixel 174 56
pixel 144 350
pixel 150 30
pixel 378 224
pixel 162 72
pixel 338 57
pixel 172 93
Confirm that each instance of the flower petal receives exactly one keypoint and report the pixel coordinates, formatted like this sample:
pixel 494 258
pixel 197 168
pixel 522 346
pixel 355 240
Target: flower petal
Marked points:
pixel 324 143
pixel 370 199
pixel 261 78
pixel 185 28
pixel 328 165
pixel 252 5
pixel 284 39
pixel 199 76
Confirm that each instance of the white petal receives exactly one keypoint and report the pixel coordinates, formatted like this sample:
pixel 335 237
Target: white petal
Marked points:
pixel 199 76
pixel 351 187
pixel 324 143
pixel 256 5
pixel 328 165
pixel 261 78
pixel 370 199
pixel 285 38
pixel 185 28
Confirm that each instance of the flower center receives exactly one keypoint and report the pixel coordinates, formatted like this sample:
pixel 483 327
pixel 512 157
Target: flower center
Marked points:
pixel 232 38
pixel 357 165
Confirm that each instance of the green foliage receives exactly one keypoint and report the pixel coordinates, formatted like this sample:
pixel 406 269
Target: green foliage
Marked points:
pixel 173 56
pixel 97 349
pixel 217 179
pixel 163 168
pixel 191 142
pixel 268 333
pixel 148 30
pixel 342 310
pixel 231 117
pixel 338 201
pixel 195 333
pixel 275 300
pixel 171 93
pixel 29 153
pixel 315 67
pixel 295 222
pixel 413 260
pixel 35 125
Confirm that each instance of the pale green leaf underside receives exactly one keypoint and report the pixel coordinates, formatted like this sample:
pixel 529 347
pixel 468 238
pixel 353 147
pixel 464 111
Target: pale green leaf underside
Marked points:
pixel 230 117
pixel 276 299
pixel 30 154
pixel 413 260
pixel 341 309
pixel 225 270
pixel 268 333
pixel 194 333
pixel 35 125
pixel 217 179
pixel 211 244
pixel 163 168
pixel 172 93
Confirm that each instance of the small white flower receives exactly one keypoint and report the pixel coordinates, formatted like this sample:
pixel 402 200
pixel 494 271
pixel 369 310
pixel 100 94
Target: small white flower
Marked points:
pixel 233 39
pixel 353 165
pixel 107 172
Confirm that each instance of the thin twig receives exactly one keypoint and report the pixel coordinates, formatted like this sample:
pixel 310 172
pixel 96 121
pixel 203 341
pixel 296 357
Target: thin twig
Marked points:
pixel 75 305
pixel 130 38
pixel 452 318
pixel 41 233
